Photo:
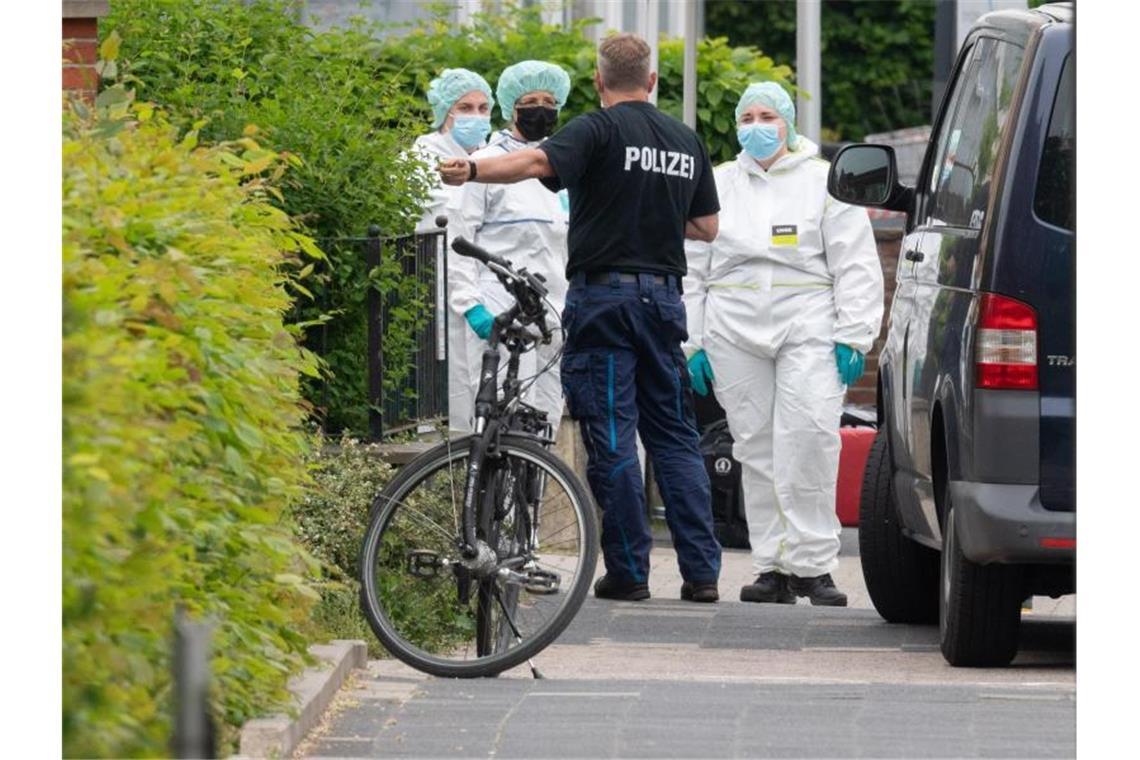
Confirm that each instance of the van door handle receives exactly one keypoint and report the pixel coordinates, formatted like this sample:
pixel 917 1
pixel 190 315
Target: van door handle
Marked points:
pixel 915 256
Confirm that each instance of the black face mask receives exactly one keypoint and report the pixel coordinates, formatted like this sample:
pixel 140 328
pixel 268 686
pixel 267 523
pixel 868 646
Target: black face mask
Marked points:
pixel 535 122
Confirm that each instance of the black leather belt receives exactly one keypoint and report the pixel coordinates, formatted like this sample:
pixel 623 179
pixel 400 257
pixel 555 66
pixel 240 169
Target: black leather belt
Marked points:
pixel 605 278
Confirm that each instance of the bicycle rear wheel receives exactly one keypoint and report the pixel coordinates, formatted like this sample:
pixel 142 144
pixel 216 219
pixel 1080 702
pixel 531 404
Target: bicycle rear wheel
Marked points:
pixel 467 619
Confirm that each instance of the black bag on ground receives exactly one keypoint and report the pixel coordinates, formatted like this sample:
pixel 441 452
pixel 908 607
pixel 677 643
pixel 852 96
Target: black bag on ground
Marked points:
pixel 727 494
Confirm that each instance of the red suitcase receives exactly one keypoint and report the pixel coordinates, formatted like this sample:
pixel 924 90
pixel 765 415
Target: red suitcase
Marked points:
pixel 856 442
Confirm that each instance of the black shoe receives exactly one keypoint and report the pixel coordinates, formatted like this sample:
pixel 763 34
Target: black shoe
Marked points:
pixel 604 588
pixel 770 587
pixel 820 590
pixel 699 592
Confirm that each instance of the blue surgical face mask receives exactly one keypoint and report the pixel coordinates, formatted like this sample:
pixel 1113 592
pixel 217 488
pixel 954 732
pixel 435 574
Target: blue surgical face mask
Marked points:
pixel 471 131
pixel 761 141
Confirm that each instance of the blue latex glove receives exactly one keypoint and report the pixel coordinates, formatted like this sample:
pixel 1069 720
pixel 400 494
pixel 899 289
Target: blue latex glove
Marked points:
pixel 480 320
pixel 700 371
pixel 850 363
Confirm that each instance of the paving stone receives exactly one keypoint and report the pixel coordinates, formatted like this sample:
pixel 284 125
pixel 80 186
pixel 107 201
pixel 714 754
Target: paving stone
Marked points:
pixel 784 681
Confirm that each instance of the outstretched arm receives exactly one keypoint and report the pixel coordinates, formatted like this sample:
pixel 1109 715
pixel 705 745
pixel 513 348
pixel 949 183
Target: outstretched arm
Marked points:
pixel 505 169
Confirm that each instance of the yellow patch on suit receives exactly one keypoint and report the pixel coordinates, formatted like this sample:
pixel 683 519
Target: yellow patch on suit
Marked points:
pixel 785 234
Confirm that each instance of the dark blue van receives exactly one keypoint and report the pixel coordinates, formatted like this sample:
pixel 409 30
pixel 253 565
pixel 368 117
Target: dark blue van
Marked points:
pixel 969 497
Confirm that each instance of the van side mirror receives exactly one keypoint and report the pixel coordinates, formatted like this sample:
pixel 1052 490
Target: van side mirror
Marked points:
pixel 867 175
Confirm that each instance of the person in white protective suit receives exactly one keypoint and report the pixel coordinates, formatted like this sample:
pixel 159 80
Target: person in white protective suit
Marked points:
pixel 461 104
pixel 523 222
pixel 782 306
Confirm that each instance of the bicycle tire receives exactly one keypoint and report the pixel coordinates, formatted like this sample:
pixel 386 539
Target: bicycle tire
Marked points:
pixel 391 500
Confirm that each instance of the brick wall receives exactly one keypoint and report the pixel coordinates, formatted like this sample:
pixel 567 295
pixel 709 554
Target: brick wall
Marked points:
pixel 81 45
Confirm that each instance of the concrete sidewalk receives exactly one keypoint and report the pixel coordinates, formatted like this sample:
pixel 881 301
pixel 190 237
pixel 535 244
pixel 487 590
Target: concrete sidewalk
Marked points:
pixel 666 678
pixel 736 571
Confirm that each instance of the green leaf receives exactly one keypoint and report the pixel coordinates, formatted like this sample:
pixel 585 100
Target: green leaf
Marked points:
pixel 107 69
pixel 301 289
pixel 234 459
pixel 109 50
pixel 309 247
pixel 249 435
pixel 288 579
pixel 111 96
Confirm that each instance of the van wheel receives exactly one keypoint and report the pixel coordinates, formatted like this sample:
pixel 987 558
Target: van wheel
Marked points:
pixel 979 605
pixel 901 575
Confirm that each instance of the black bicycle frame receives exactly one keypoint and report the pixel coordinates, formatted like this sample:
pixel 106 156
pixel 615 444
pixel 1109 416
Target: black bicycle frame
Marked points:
pixel 487 425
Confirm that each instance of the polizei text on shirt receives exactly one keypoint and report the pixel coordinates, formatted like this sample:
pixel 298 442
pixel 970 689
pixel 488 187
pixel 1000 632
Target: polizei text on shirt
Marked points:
pixel 669 162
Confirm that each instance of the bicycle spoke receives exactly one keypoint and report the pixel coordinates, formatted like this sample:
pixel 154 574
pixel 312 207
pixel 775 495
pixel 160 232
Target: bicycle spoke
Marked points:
pixel 507 615
pixel 426 521
pixel 451 618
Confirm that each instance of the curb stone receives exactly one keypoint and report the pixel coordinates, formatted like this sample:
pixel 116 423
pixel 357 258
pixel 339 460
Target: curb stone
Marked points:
pixel 313 690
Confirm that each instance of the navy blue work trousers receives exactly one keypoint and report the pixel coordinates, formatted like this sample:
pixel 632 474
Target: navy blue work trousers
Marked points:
pixel 623 373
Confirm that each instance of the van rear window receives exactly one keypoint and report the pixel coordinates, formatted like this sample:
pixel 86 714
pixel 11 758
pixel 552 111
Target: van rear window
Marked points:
pixel 1055 201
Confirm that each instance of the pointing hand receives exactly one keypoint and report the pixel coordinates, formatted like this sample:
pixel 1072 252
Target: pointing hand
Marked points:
pixel 454 171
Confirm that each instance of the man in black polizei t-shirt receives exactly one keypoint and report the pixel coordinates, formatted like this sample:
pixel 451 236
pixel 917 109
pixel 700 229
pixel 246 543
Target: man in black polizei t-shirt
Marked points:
pixel 640 182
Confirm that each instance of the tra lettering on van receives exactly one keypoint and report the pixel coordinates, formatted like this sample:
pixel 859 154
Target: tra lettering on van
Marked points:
pixel 668 162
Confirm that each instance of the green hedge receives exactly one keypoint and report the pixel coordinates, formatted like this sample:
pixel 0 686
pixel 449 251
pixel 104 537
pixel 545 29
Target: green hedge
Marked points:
pixel 182 439
pixel 491 42
pixel 348 102
pixel 876 62
pixel 317 96
pixel 331 519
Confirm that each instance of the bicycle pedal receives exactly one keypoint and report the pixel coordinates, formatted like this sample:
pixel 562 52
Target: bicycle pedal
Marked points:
pixel 423 563
pixel 542 582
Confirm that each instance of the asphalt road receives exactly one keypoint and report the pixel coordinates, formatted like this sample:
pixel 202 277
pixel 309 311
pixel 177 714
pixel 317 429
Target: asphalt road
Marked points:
pixel 665 678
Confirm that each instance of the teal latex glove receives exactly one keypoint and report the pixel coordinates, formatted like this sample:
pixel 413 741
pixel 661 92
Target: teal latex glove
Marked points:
pixel 850 363
pixel 480 320
pixel 701 372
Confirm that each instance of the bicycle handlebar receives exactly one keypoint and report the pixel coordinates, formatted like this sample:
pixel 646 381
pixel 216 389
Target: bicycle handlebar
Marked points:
pixel 465 247
pixel 528 288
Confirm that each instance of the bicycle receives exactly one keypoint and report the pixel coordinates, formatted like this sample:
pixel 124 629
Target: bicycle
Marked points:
pixel 491 538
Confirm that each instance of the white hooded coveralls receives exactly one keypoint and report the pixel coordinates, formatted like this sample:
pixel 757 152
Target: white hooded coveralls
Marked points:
pixel 432 148
pixel 526 224
pixel 791 273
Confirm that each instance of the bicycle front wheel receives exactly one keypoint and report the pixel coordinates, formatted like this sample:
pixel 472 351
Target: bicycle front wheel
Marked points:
pixel 468 618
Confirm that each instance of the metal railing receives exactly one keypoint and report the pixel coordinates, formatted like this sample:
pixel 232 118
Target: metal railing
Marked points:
pixel 421 396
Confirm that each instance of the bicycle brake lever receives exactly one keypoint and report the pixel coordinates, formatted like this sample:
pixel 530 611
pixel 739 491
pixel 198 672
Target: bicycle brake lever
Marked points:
pixel 538 283
pixel 547 335
pixel 503 272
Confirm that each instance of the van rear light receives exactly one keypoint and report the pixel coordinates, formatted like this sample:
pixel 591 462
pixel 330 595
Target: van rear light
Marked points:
pixel 1059 543
pixel 1006 345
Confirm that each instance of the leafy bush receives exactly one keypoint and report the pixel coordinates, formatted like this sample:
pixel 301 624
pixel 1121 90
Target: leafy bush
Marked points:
pixel 330 521
pixel 320 97
pixel 488 44
pixel 723 73
pixel 331 516
pixel 349 103
pixel 182 441
pixel 491 42
pixel 876 60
